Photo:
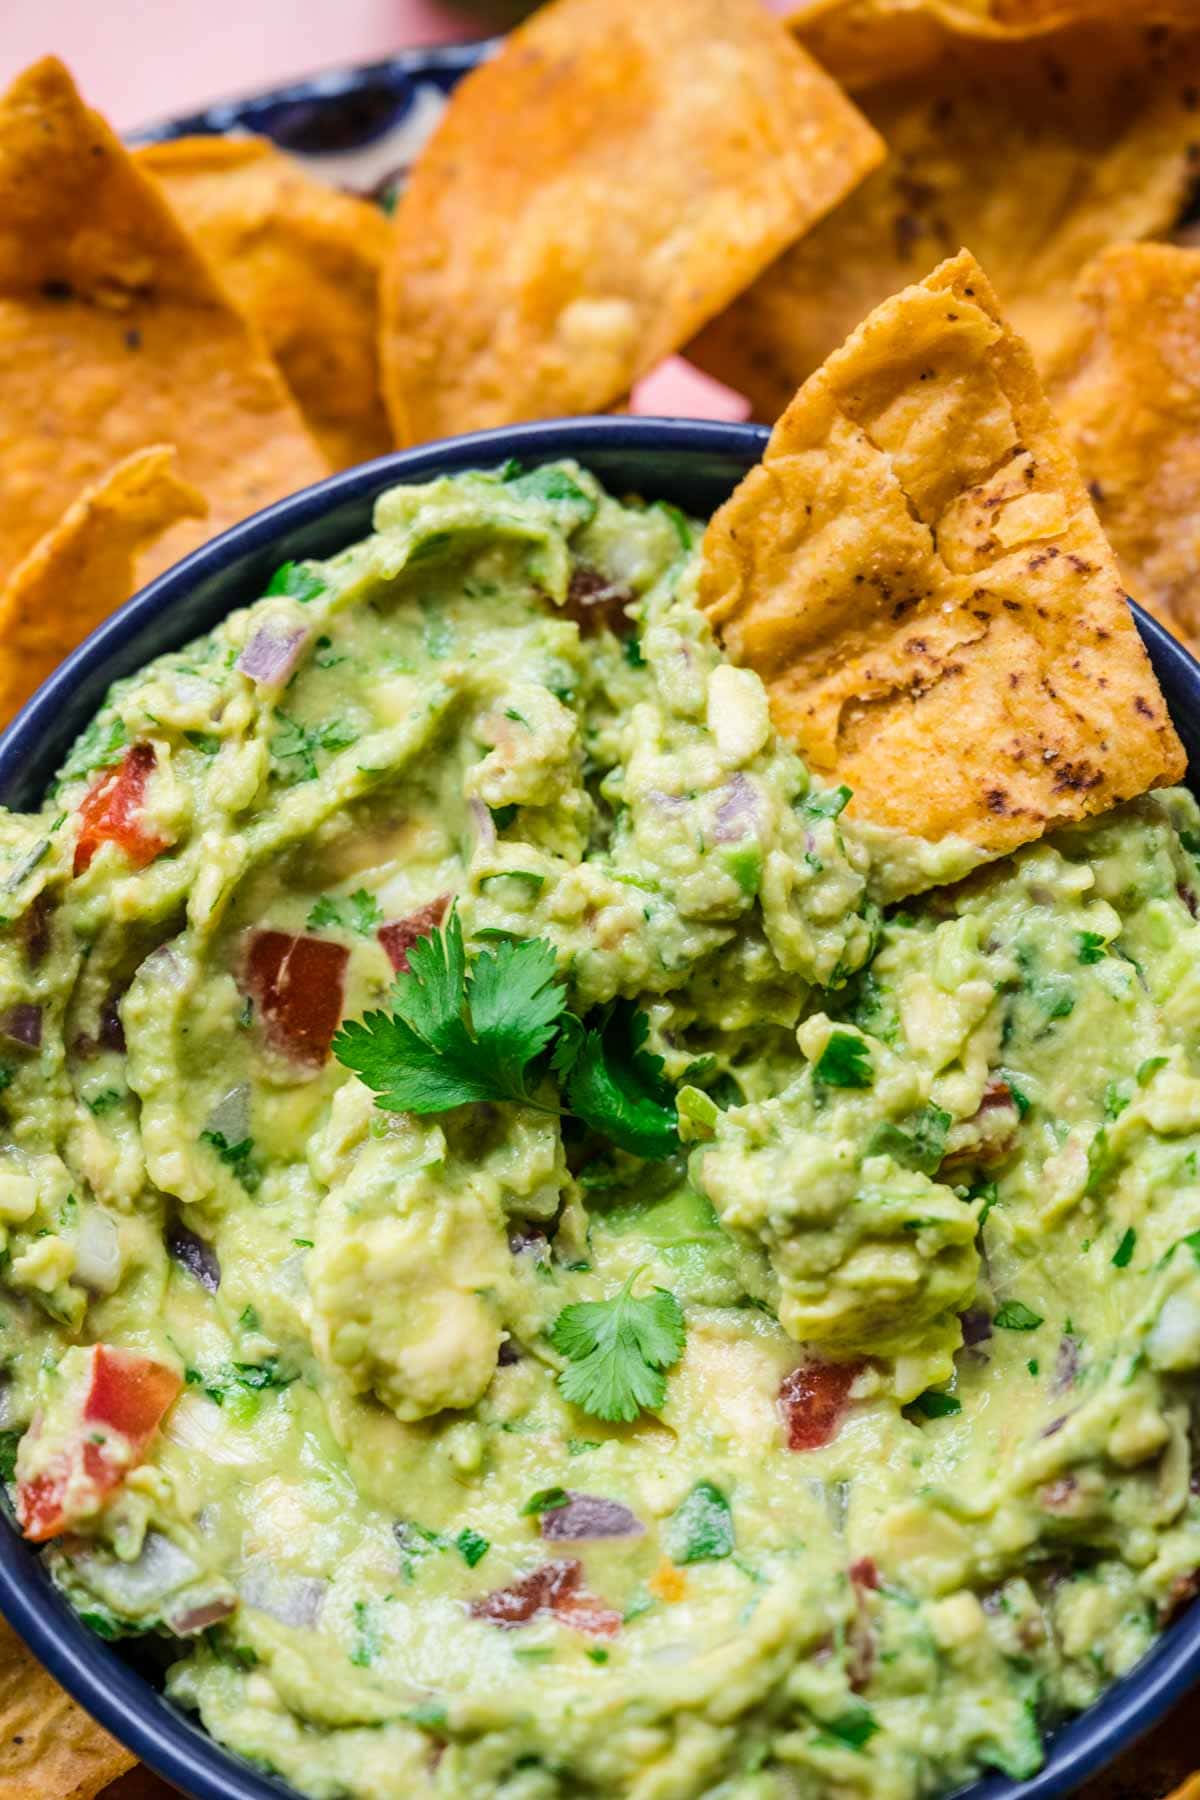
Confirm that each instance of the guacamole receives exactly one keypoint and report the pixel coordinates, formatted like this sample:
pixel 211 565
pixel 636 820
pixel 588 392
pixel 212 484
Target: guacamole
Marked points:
pixel 542 1259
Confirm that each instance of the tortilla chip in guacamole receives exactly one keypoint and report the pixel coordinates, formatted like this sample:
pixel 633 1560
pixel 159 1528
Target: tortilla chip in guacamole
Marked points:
pixel 1035 151
pixel 49 1748
pixel 916 571
pixel 592 195
pixel 1126 386
pixel 115 334
pixel 86 567
pixel 303 260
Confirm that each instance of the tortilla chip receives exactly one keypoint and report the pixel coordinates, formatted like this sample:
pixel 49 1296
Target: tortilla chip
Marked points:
pixel 49 1748
pixel 85 568
pixel 1126 387
pixel 1136 348
pixel 918 575
pixel 115 334
pixel 1037 151
pixel 592 195
pixel 1189 1791
pixel 304 261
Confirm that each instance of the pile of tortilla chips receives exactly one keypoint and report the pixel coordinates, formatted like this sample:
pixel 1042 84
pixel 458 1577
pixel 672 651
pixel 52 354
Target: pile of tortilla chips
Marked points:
pixel 919 567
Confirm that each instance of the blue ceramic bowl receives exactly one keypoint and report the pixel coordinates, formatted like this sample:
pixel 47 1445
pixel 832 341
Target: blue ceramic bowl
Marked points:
pixel 695 464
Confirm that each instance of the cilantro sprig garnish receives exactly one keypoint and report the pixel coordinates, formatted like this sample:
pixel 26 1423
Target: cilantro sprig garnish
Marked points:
pixel 460 1033
pixel 618 1350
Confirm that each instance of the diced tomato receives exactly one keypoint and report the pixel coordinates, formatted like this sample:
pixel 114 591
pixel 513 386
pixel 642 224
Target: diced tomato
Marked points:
pixel 298 985
pixel 865 1573
pixel 399 937
pixel 111 812
pixel 129 1393
pixel 118 1406
pixel 553 1587
pixel 814 1399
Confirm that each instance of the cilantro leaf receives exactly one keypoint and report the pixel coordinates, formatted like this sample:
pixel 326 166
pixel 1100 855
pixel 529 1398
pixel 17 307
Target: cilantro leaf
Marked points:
pixel 701 1527
pixel 238 1157
pixel 845 1062
pixel 617 1350
pixel 472 1546
pixel 358 912
pixel 1014 1315
pixel 99 747
pixel 617 1087
pixel 1123 1255
pixel 933 1404
pixel 296 581
pixel 451 1041
pixel 827 803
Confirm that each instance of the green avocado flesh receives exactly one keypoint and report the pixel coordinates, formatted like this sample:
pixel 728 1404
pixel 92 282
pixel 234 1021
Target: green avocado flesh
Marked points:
pixel 842 1442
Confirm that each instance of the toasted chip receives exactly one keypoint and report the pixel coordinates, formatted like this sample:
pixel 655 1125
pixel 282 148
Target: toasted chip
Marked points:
pixel 592 195
pixel 918 575
pixel 86 567
pixel 1036 151
pixel 1126 386
pixel 1189 1791
pixel 304 261
pixel 49 1748
pixel 115 334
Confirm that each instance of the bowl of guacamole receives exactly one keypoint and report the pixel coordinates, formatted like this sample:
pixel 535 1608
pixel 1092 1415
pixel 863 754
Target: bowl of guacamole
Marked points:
pixel 540 1258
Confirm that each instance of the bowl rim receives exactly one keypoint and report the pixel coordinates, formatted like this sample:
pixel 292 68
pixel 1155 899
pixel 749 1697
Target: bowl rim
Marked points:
pixel 168 1740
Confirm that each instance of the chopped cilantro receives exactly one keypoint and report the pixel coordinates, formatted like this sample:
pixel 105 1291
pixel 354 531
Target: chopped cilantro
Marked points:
pixel 827 803
pixel 632 649
pixel 248 1319
pixel 1123 1255
pixel 1148 1069
pixel 472 1546
pixel 555 486
pixel 617 1351
pixel 934 1405
pixel 1020 1098
pixel 845 1062
pixel 1092 946
pixel 99 747
pixel 8 1455
pixel 1014 1315
pixel 206 742
pixel 503 816
pixel 549 1499
pixel 701 1527
pixel 296 581
pixel 298 743
pixel 989 1193
pixel 581 1446
pixel 855 1728
pixel 366 1644
pixel 359 912
pixel 104 1102
pixel 237 1157
pixel 922 1146
pixel 597 1655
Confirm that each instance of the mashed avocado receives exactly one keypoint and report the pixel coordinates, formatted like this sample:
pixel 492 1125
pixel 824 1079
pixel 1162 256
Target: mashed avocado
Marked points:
pixel 776 1377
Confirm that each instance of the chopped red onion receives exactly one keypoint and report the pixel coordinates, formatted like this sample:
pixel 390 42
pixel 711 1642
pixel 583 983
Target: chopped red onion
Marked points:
pixel 976 1325
pixel 1066 1365
pixel 590 1516
pixel 272 653
pixel 736 814
pixel 292 1599
pixel 199 1618
pixel 195 1254
pixel 22 1024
